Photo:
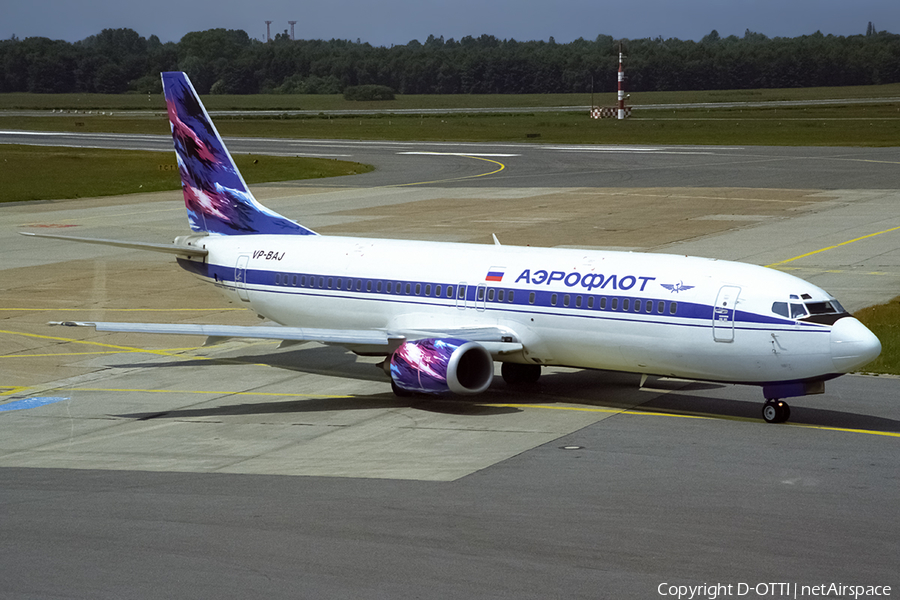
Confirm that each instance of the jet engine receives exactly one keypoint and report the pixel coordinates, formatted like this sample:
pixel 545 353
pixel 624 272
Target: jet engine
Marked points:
pixel 436 366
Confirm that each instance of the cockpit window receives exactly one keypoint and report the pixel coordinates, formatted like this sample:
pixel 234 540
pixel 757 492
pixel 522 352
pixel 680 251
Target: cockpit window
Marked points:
pixel 793 310
pixel 780 308
pixel 826 313
pixel 824 308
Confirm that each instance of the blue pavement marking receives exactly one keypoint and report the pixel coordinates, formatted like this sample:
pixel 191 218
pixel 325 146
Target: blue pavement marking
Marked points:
pixel 31 403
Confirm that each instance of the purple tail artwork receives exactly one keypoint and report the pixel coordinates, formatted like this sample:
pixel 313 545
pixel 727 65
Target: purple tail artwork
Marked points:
pixel 216 196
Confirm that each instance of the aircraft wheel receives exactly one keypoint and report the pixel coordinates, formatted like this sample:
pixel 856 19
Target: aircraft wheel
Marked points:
pixel 517 374
pixel 776 411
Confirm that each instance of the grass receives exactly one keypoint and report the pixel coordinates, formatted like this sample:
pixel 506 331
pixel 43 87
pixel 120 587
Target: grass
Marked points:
pixel 884 321
pixel 127 102
pixel 862 125
pixel 42 173
pixel 866 126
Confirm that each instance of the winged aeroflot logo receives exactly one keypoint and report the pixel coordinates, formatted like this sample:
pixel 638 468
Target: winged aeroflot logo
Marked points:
pixel 678 287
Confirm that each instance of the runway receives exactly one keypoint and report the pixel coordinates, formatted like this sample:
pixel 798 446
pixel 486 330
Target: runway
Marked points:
pixel 150 467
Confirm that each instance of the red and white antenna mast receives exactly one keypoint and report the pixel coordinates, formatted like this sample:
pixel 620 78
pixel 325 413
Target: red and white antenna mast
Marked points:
pixel 621 85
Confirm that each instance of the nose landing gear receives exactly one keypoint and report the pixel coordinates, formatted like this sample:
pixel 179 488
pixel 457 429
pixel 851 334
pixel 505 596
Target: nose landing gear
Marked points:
pixel 776 411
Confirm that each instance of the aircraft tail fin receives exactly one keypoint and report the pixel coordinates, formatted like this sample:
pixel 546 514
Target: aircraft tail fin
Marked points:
pixel 215 194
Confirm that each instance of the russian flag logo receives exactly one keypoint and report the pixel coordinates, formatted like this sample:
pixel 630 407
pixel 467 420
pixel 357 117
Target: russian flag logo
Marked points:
pixel 495 274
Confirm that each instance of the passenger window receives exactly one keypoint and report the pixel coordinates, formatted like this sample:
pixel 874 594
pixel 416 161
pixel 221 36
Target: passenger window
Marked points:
pixel 358 285
pixel 649 306
pixel 603 303
pixel 491 295
pixel 321 282
pixel 553 300
pixel 530 297
pixel 378 286
pixel 673 308
pixel 590 302
pixel 480 293
pixel 660 307
pixel 500 295
pixel 512 296
pixel 449 291
pixel 460 292
pixel 390 287
pixel 625 303
pixel 294 281
pixel 637 306
pixel 330 282
pixel 566 300
pixel 277 278
pixel 614 305
pixel 418 289
pixel 577 301
pixel 437 291
pixel 369 285
pixel 408 288
pixel 428 290
pixel 303 281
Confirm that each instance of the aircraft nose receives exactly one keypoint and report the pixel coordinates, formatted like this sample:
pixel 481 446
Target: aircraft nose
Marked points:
pixel 852 345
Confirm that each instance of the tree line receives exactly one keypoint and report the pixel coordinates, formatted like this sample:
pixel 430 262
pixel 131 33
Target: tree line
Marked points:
pixel 221 61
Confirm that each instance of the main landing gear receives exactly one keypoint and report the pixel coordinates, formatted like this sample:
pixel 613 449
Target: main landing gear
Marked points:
pixel 518 374
pixel 776 411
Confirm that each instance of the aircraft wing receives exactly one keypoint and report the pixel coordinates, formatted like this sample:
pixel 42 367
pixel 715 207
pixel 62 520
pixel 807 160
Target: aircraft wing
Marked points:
pixel 220 332
pixel 496 340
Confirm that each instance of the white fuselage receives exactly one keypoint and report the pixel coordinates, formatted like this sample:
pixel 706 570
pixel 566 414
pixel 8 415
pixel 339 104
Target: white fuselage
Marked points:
pixel 647 313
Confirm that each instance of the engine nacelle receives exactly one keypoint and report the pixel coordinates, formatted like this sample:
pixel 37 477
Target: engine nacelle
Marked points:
pixel 436 366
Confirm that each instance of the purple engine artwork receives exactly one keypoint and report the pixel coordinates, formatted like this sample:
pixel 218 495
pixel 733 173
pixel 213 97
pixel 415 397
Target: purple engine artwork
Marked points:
pixel 421 366
pixel 216 196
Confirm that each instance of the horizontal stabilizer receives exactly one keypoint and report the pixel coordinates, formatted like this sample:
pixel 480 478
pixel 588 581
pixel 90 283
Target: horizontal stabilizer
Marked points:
pixel 180 250
pixel 348 337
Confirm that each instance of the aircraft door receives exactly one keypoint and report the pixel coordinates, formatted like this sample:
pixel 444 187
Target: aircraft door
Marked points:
pixel 724 313
pixel 240 277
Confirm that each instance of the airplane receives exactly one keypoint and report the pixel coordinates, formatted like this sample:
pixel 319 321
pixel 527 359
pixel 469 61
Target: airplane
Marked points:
pixel 442 313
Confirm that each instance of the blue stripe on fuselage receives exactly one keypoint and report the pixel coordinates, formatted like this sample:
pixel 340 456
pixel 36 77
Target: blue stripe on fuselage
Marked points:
pixel 372 288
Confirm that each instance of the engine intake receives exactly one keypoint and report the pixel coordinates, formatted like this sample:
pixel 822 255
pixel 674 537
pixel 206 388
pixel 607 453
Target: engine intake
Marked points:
pixel 437 366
